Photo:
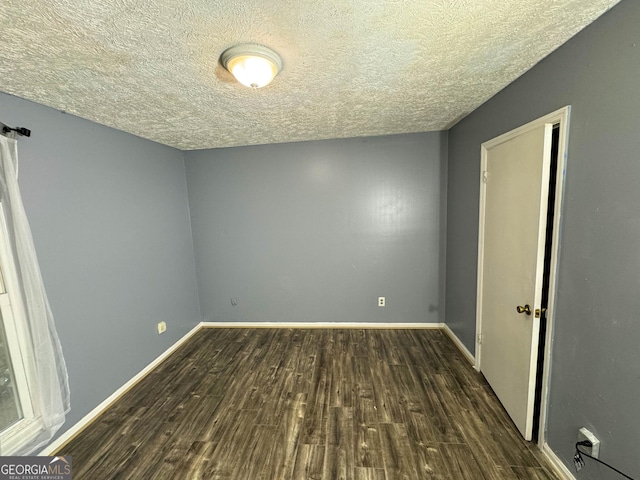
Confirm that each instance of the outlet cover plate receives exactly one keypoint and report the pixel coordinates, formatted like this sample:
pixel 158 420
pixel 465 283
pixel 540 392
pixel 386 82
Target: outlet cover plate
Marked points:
pixel 584 434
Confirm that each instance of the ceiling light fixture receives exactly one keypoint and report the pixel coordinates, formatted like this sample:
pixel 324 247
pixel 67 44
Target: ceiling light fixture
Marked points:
pixel 252 65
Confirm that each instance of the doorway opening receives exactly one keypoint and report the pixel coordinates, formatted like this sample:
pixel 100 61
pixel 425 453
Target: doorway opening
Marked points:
pixel 553 175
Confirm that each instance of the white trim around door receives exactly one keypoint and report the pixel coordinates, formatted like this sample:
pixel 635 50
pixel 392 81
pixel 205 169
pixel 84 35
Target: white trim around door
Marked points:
pixel 561 118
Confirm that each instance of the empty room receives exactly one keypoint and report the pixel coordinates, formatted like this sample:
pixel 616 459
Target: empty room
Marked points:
pixel 320 240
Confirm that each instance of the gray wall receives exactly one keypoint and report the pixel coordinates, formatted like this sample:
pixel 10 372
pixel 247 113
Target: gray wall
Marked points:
pixel 109 216
pixel 316 231
pixel 596 359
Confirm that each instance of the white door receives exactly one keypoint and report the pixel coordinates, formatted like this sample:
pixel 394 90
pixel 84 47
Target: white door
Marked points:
pixel 513 218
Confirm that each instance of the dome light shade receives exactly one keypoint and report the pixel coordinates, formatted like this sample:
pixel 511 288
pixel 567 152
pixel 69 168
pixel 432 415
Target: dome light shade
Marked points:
pixel 252 65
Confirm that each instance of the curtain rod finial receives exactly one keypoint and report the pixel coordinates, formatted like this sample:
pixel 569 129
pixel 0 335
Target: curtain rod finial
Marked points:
pixel 25 132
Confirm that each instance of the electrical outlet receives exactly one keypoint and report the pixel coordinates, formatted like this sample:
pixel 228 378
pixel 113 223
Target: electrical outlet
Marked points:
pixel 381 301
pixel 162 327
pixel 594 450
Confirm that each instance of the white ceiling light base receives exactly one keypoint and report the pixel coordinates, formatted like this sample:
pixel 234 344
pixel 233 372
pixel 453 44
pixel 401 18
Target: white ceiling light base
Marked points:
pixel 252 65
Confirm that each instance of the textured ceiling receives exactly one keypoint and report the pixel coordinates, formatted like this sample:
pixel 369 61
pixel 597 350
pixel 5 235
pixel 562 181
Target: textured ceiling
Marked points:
pixel 351 67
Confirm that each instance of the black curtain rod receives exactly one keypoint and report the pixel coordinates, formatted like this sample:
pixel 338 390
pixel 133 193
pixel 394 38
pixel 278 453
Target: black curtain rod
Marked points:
pixel 25 132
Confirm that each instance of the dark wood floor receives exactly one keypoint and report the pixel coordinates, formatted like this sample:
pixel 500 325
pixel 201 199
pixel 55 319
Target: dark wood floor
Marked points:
pixel 249 404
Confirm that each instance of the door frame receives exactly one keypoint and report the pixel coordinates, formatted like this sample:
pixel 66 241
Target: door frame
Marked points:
pixel 559 117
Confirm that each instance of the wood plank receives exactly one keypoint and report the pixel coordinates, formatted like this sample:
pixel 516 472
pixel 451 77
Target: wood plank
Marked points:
pixel 259 449
pixel 286 440
pixel 430 464
pixel 309 463
pixel 316 419
pixel 233 440
pixel 195 463
pixel 339 457
pixel 367 449
pixel 342 389
pixel 366 410
pixel 461 463
pixel 399 459
pixel 438 404
pixel 530 473
pixel 389 407
pixel 362 473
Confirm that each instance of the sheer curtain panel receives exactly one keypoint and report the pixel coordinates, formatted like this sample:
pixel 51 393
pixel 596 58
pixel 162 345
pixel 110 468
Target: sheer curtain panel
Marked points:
pixel 36 341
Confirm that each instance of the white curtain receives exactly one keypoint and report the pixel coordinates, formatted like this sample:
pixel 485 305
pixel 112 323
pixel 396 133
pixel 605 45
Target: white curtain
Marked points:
pixel 49 382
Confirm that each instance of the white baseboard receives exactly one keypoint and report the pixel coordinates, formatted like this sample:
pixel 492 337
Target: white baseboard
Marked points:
pixel 464 350
pixel 561 468
pixel 89 417
pixel 320 325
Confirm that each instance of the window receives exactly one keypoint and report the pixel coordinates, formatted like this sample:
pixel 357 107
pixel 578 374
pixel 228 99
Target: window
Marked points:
pixel 34 391
pixel 18 422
